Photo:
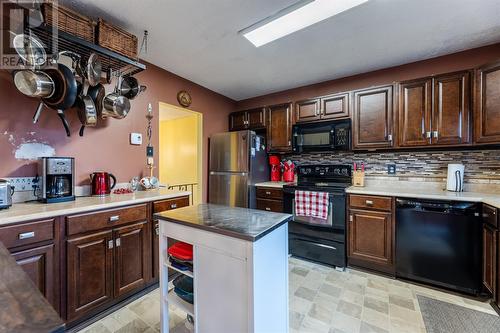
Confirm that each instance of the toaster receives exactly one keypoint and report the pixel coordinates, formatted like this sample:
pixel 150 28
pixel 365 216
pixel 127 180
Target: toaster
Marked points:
pixel 6 192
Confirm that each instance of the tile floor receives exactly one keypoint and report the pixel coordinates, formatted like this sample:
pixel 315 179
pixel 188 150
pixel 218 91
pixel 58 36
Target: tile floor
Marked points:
pixel 322 300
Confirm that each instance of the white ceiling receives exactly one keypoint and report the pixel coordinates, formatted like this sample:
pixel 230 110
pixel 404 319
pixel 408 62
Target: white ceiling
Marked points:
pixel 199 40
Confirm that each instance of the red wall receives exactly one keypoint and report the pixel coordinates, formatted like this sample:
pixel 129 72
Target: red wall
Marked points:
pixel 106 147
pixel 454 62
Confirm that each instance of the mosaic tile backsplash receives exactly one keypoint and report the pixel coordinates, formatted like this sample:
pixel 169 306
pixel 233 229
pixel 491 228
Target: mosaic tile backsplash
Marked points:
pixel 479 164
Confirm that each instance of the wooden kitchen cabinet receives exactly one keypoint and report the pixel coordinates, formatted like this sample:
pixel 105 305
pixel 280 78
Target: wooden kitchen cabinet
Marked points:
pixel 307 110
pixel 130 258
pixel 490 250
pixel 89 273
pixel 237 121
pixel 373 121
pixel 371 236
pixel 328 107
pixel 487 104
pixel 38 263
pixel 415 104
pixel 335 106
pixel 435 111
pixel 452 109
pixel 279 128
pixel 249 119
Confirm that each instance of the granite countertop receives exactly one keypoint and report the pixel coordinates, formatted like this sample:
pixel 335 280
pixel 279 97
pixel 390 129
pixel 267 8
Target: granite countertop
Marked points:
pixel 273 184
pixel 35 210
pixel 423 192
pixel 243 223
pixel 23 309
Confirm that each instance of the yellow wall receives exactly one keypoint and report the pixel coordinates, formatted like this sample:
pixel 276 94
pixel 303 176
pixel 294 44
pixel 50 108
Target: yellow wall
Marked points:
pixel 179 152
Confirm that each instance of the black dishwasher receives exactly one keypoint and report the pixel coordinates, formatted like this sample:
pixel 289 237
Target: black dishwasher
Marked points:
pixel 439 242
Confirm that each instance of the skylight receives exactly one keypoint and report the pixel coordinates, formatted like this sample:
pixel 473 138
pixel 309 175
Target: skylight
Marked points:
pixel 294 18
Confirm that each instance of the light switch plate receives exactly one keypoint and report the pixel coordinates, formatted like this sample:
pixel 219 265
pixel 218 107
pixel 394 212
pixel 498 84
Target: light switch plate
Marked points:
pixel 136 139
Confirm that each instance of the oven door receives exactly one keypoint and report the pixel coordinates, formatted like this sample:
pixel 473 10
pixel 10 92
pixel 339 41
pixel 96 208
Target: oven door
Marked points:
pixel 313 220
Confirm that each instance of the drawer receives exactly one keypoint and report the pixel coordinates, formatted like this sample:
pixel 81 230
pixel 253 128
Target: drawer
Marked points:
pixel 269 193
pixel 161 206
pixel 27 233
pixel 490 215
pixel 370 202
pixel 270 205
pixel 77 224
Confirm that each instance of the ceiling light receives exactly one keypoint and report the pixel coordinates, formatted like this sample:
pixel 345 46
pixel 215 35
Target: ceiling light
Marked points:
pixel 294 18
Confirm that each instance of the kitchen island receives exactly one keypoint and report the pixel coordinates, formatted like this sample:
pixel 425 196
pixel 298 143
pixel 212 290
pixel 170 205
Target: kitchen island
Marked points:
pixel 23 309
pixel 240 268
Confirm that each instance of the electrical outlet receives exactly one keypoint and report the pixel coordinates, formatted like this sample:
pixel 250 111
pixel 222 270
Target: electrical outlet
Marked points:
pixel 22 183
pixel 391 169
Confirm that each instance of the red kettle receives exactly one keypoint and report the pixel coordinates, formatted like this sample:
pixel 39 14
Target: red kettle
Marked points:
pixel 101 183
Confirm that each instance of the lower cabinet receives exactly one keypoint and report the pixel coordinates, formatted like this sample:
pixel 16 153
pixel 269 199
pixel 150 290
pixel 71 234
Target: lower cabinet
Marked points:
pixel 270 199
pixel 371 237
pixel 489 258
pixel 131 260
pixel 104 266
pixel 90 273
pixel 38 263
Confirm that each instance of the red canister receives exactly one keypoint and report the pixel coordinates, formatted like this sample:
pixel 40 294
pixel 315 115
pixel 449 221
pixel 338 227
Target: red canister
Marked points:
pixel 275 163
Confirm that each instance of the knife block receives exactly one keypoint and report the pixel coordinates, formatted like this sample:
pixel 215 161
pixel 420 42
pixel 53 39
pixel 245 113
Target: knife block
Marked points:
pixel 358 178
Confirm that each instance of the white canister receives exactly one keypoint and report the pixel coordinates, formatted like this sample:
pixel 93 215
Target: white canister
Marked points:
pixel 455 180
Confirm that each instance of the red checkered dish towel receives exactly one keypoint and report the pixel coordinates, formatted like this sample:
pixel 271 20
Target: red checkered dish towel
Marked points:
pixel 312 204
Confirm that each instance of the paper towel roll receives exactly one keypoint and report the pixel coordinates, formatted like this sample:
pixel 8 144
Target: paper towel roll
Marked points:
pixel 455 180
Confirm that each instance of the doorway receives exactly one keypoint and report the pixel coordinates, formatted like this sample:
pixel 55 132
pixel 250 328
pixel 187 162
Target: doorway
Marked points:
pixel 180 149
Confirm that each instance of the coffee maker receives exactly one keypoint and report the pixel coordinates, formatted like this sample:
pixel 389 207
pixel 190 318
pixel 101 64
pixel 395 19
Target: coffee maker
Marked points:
pixel 56 179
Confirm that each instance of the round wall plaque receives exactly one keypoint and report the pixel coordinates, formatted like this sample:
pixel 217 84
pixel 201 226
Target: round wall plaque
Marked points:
pixel 184 98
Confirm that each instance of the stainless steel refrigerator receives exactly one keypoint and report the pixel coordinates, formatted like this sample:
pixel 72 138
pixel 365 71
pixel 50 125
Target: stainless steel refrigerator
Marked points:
pixel 237 161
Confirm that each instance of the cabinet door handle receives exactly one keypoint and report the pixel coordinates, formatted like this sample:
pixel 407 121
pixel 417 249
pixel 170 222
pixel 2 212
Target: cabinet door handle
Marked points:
pixel 118 242
pixel 435 134
pixel 173 206
pixel 157 231
pixel 428 135
pixel 389 137
pixel 369 203
pixel 351 218
pixel 26 235
pixel 110 244
pixel 114 218
pixel 289 143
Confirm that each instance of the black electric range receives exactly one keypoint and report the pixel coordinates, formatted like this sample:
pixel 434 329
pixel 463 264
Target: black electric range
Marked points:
pixel 322 241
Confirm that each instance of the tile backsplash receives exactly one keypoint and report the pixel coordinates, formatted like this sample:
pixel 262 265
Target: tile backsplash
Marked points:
pixel 481 166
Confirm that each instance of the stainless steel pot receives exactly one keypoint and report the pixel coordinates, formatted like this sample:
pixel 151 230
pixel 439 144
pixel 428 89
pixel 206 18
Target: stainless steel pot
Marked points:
pixel 115 106
pixel 34 84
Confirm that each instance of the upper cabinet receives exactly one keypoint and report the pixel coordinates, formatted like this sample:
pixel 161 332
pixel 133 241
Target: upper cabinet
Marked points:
pixel 249 119
pixel 327 107
pixel 487 104
pixel 279 128
pixel 452 109
pixel 307 110
pixel 373 118
pixel 435 111
pixel 335 106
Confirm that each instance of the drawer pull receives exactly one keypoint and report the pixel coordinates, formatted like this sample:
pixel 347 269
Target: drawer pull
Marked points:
pixel 26 235
pixel 118 242
pixel 110 244
pixel 268 209
pixel 173 206
pixel 369 203
pixel 114 218
pixel 268 192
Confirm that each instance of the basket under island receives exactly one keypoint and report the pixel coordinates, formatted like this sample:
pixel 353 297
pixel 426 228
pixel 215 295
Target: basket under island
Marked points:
pixel 240 268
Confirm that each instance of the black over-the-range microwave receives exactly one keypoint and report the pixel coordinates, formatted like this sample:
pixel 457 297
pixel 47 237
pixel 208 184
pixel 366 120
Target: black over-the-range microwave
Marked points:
pixel 322 136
